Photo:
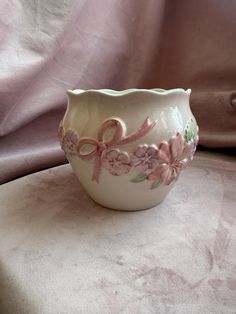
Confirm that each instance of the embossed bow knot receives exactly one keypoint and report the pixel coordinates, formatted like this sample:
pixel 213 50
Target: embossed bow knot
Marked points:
pixel 118 138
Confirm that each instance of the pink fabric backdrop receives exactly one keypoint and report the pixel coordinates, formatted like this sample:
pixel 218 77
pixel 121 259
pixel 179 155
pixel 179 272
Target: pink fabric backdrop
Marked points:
pixel 49 46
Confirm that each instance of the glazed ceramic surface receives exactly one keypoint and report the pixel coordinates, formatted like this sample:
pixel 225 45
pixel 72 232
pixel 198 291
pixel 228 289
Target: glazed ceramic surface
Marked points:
pixel 128 147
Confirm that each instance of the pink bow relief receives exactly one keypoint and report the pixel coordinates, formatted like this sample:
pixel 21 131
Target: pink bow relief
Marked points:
pixel 119 138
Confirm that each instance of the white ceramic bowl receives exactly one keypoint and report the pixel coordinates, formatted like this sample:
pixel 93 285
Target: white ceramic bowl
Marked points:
pixel 128 147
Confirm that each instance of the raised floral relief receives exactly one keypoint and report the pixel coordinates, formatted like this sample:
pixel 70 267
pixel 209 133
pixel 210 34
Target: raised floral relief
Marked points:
pixel 160 164
pixel 144 157
pixel 68 140
pixel 116 162
pixel 101 144
pixel 173 156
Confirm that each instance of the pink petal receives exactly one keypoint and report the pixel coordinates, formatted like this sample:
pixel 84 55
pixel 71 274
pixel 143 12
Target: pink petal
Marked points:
pixel 140 151
pixel 126 169
pixel 113 172
pixel 106 164
pixel 152 150
pixel 171 177
pixel 124 158
pixel 177 146
pixel 164 151
pixel 187 151
pixel 135 160
pixel 152 163
pixel 119 170
pixel 183 165
pixel 111 154
pixel 159 172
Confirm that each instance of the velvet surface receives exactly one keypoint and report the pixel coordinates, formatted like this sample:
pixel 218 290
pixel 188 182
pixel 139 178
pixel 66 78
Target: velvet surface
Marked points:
pixel 61 253
pixel 49 46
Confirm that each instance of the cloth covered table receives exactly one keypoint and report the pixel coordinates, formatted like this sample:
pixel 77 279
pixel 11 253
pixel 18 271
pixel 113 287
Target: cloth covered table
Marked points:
pixel 60 253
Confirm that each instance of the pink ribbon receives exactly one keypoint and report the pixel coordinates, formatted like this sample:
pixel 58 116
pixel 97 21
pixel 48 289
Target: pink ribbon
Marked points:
pixel 118 138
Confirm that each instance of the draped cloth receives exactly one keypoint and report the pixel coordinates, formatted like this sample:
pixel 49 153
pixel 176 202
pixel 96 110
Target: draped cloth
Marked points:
pixel 49 46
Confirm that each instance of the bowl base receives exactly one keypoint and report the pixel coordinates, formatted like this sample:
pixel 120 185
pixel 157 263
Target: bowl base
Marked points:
pixel 126 209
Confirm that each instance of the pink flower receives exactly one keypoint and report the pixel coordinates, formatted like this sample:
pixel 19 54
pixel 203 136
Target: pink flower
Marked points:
pixel 69 142
pixel 116 162
pixel 173 157
pixel 145 157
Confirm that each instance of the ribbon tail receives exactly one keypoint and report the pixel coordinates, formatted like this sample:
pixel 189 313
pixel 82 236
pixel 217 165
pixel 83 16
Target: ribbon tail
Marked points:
pixel 96 169
pixel 145 128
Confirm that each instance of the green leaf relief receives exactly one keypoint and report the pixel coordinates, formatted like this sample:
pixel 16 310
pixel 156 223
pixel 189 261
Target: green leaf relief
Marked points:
pixel 190 131
pixel 139 178
pixel 156 184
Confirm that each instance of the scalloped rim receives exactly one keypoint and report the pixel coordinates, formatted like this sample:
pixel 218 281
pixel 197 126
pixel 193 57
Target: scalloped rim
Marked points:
pixel 115 93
